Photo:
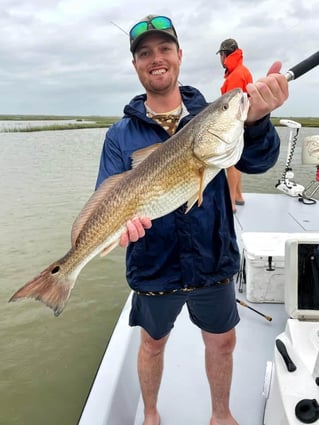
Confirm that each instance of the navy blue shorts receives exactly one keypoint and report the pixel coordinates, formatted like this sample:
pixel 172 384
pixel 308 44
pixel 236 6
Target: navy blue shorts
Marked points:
pixel 212 309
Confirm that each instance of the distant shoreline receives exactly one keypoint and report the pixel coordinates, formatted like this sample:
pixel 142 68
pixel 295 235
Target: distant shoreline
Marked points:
pixel 82 122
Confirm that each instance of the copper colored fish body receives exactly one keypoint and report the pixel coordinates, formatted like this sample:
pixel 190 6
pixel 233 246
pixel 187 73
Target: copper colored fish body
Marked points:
pixel 163 178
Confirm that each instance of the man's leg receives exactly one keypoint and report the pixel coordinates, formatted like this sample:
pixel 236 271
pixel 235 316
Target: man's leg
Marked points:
pixel 239 195
pixel 150 369
pixel 219 366
pixel 234 183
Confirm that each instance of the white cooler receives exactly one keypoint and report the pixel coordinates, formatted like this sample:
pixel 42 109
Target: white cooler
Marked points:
pixel 264 263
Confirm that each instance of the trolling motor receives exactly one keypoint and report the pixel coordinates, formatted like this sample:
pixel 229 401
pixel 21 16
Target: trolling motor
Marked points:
pixel 286 183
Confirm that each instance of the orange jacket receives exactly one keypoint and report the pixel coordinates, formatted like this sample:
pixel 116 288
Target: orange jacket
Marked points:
pixel 237 75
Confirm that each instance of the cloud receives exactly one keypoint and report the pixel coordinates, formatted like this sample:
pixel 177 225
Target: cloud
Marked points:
pixel 72 56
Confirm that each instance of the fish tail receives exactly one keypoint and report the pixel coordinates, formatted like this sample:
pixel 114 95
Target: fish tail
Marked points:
pixel 51 286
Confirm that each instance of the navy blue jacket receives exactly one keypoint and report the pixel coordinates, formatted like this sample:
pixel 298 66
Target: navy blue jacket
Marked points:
pixel 193 249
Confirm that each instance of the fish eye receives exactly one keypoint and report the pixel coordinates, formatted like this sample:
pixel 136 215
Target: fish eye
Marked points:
pixel 225 106
pixel 55 270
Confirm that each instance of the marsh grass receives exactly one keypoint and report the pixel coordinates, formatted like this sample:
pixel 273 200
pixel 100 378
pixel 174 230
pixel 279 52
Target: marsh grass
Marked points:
pixel 104 122
pixel 79 122
pixel 304 121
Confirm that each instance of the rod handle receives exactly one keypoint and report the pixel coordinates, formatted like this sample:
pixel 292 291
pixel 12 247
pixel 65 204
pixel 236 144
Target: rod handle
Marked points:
pixel 256 311
pixel 303 67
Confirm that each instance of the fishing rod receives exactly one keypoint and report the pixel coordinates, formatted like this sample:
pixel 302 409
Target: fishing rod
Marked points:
pixel 242 303
pixel 120 28
pixel 303 67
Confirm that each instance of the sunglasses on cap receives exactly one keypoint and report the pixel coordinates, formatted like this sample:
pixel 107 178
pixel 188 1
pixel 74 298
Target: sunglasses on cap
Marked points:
pixel 157 23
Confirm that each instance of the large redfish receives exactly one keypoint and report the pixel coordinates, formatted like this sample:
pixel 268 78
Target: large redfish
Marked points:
pixel 162 179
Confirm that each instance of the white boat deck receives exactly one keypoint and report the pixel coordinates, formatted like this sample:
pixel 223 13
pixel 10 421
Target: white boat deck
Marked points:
pixel 276 213
pixel 184 395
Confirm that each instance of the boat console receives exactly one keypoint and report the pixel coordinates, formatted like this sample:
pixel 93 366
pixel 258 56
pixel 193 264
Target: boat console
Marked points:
pixel 293 389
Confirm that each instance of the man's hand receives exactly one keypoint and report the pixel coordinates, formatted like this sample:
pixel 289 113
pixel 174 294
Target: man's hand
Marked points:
pixel 266 94
pixel 135 230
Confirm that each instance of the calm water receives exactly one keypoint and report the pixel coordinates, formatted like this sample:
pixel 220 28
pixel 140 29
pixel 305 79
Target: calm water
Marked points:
pixel 47 364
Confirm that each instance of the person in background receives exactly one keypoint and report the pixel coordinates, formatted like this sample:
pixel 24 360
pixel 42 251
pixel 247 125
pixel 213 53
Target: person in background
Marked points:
pixel 237 75
pixel 184 258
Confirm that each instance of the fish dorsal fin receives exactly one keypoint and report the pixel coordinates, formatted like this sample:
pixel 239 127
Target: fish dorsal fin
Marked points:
pixel 141 154
pixel 198 195
pixel 93 203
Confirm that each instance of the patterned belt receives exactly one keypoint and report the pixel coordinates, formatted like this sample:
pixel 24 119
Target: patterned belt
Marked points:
pixel 187 289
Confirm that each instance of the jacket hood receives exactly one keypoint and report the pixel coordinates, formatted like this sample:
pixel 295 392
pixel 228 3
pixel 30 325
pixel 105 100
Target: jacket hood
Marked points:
pixel 233 60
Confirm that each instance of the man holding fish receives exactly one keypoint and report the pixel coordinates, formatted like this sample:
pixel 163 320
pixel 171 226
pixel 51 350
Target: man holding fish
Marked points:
pixel 189 255
pixel 177 189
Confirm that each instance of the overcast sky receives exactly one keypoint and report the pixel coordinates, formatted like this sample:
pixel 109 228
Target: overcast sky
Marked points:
pixel 71 57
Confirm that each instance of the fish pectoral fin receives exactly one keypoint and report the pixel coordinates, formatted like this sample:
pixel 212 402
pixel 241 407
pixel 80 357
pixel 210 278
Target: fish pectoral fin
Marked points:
pixel 191 202
pixel 201 185
pixel 141 154
pixel 198 195
pixel 92 204
pixel 109 248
